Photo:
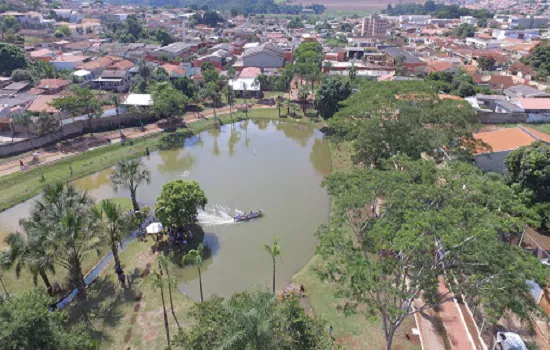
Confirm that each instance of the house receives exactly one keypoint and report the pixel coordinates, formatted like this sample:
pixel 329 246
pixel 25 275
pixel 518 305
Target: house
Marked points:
pixel 411 63
pixel 503 142
pixel 266 55
pixel 524 91
pixel 533 105
pixel 52 86
pixel 113 80
pixel 43 54
pixel 487 102
pixel 494 82
pixel 245 87
pixel 96 66
pixel 174 72
pixel 121 65
pixel 178 49
pixel 70 62
pixel 14 88
pixel 42 104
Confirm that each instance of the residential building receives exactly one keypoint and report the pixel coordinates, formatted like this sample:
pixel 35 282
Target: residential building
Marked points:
pixel 525 91
pixel 52 86
pixel 503 142
pixel 113 80
pixel 69 62
pixel 266 55
pixel 179 49
pixel 374 25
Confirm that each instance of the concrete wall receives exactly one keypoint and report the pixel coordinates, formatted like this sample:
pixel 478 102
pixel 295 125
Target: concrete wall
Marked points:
pixel 492 161
pixel 71 130
pixel 506 118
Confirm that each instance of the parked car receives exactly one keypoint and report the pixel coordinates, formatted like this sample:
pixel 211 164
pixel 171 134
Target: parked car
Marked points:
pixel 510 341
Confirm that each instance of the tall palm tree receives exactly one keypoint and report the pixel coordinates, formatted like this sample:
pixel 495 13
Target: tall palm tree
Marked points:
pixel 116 103
pixel 130 174
pixel 279 106
pixel 274 250
pixel 158 283
pixel 163 264
pixel 112 223
pixel 66 214
pixel 195 258
pixel 257 319
pixel 144 71
pixel 29 250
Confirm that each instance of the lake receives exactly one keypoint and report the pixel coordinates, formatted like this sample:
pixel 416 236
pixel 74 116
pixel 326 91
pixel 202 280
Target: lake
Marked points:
pixel 270 165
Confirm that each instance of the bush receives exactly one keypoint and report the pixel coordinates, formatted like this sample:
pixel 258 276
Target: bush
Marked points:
pixel 173 139
pixel 21 75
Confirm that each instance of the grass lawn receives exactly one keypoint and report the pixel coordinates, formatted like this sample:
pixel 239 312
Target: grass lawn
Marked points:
pixel 352 332
pixel 118 318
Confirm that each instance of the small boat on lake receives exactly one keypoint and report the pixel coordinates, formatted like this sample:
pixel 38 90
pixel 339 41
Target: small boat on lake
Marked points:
pixel 246 217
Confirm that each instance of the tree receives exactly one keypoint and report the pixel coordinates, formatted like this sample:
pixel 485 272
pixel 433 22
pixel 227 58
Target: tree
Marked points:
pixel 158 283
pixel 25 120
pixel 417 225
pixel 66 213
pixel 303 93
pixel 163 37
pixel 330 94
pixel 46 124
pixel 21 75
pixel 130 174
pixel 195 258
pixel 431 125
pixel 178 203
pixel 186 85
pixel 262 81
pixel 82 101
pixel 168 103
pixel 486 62
pixel 112 225
pixel 26 323
pixel 11 58
pixel 29 250
pixel 279 105
pixel 274 250
pixel 62 32
pixel 464 31
pixel 253 321
pixel 163 266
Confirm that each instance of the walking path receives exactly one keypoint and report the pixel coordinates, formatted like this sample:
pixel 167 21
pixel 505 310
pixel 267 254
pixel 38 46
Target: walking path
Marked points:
pixel 48 156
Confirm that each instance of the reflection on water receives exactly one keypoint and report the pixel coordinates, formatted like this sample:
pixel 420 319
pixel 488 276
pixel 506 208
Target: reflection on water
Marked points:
pixel 94 181
pixel 175 160
pixel 320 157
pixel 279 173
pixel 298 132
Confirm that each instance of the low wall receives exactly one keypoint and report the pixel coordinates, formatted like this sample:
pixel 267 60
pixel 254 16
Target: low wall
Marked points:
pixel 71 130
pixel 512 118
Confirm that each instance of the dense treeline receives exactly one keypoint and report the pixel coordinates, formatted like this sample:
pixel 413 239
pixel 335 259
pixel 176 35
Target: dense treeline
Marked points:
pixel 420 212
pixel 436 10
pixel 246 7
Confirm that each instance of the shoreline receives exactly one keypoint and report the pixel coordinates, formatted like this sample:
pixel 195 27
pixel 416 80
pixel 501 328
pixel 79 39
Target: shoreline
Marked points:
pixel 86 163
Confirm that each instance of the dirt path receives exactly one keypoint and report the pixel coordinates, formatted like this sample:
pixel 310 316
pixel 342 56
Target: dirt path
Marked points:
pixel 48 156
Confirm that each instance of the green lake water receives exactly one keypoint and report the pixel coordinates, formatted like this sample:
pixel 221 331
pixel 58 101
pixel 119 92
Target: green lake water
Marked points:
pixel 269 165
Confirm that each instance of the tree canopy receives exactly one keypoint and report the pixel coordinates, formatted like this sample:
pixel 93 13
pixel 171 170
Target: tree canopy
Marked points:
pixel 26 323
pixel 11 58
pixel 329 95
pixel 179 202
pixel 389 118
pixel 253 321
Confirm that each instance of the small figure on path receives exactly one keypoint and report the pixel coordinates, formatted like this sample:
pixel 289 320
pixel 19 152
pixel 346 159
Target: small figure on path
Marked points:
pixel 71 169
pixel 330 332
pixel 147 151
pixel 21 164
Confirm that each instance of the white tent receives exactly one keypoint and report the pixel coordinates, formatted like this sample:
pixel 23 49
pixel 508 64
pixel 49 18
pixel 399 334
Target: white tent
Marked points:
pixel 154 228
pixel 138 100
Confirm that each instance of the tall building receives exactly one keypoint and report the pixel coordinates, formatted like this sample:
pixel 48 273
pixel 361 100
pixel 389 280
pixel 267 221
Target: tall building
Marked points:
pixel 374 25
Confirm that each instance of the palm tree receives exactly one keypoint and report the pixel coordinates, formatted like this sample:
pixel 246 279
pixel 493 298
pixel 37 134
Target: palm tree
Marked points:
pixel 130 174
pixel 159 283
pixel 29 250
pixel 288 104
pixel 112 224
pixel 274 251
pixel 116 103
pixel 143 69
pixel 163 264
pixel 194 258
pixel 279 106
pixel 257 319
pixel 303 93
pixel 66 214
